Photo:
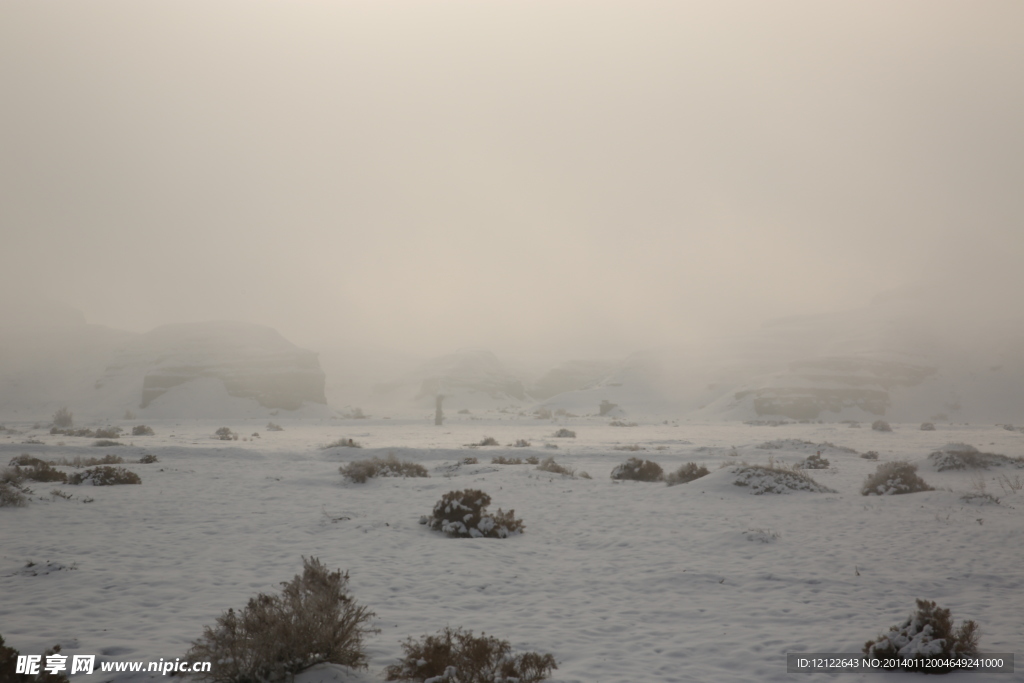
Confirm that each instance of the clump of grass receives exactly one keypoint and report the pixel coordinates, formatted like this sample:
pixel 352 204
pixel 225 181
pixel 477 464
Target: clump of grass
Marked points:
pixel 502 460
pixel 109 433
pixel 633 447
pixel 148 459
pixel 636 469
pixel 620 423
pixel 927 634
pixel 687 473
pixel 271 427
pixel 105 476
pixel 486 441
pixel 870 455
pixel 564 433
pixel 549 465
pixel 881 426
pixel 361 470
pixel 12 495
pixel 313 620
pixel 142 430
pixel 458 656
pixel 103 443
pixel 520 443
pixel 471 460
pixel 892 478
pixel 463 514
pixel 532 460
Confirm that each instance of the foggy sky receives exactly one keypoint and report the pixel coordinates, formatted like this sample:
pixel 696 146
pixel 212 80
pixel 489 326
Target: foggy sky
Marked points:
pixel 577 178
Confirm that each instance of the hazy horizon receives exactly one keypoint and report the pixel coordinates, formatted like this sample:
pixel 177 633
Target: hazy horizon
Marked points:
pixel 541 179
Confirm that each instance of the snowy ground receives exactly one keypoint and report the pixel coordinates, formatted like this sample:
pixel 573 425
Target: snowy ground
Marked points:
pixel 622 582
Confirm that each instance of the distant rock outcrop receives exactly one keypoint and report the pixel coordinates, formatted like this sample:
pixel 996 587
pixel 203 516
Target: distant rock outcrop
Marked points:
pixel 252 362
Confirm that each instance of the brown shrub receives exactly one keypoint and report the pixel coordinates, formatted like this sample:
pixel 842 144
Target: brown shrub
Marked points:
pixel 105 476
pixel 549 465
pixel 893 478
pixel 638 470
pixel 927 634
pixel 686 473
pixel 361 470
pixel 458 656
pixel 502 460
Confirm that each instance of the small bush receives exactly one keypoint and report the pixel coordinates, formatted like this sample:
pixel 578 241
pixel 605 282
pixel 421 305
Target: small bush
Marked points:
pixel 63 418
pixel 104 443
pixel 870 455
pixel 520 443
pixel 342 443
pixel 9 667
pixel 471 460
pixel 502 460
pixel 881 426
pixel 687 473
pixel 148 459
pixel 620 423
pixel 893 478
pixel 928 633
pixel 959 456
pixel 456 656
pixel 271 427
pixel 12 495
pixel 549 465
pixel 26 460
pixel 225 434
pixel 105 476
pixel 109 433
pixel 927 427
pixel 463 514
pixel 814 462
pixel 633 447
pixel 313 620
pixel 638 470
pixel 775 479
pixel 41 472
pixel 142 430
pixel 487 441
pixel 564 433
pixel 361 470
pixel 532 460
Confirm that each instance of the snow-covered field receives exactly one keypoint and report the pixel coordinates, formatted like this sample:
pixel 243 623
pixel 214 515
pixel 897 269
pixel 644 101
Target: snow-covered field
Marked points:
pixel 622 582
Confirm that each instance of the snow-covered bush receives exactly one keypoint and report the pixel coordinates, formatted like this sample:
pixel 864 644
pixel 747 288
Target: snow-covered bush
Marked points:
pixel 773 478
pixel 870 455
pixel 12 495
pixel 225 434
pixel 457 656
pixel 549 465
pixel 313 620
pixel 926 634
pixel 148 459
pixel 104 443
pixel 361 470
pixel 105 476
pixel 520 443
pixel 463 514
pixel 502 460
pixel 638 470
pixel 686 473
pixel 40 471
pixel 271 427
pixel 960 456
pixel 109 433
pixel 892 478
pixel 142 430
pixel 532 459
pixel 486 441
pixel 814 462
pixel 564 433
pixel 927 427
pixel 881 426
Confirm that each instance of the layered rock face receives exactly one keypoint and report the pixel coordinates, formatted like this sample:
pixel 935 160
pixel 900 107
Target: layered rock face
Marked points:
pixel 252 361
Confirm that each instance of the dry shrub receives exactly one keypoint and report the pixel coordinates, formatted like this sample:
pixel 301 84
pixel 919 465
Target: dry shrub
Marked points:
pixel 105 476
pixel 893 478
pixel 456 656
pixel 361 470
pixel 814 462
pixel 532 460
pixel 926 634
pixel 103 443
pixel 881 426
pixel 225 434
pixel 927 427
pixel 463 514
pixel 486 441
pixel 961 456
pixel 40 471
pixel 686 473
pixel 108 433
pixel 549 465
pixel 148 459
pixel 12 495
pixel 502 460
pixel 620 423
pixel 564 433
pixel 633 447
pixel 870 455
pixel 313 620
pixel 342 443
pixel 26 460
pixel 520 443
pixel 471 460
pixel 63 418
pixel 142 430
pixel 638 470
pixel 9 667
pixel 271 427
